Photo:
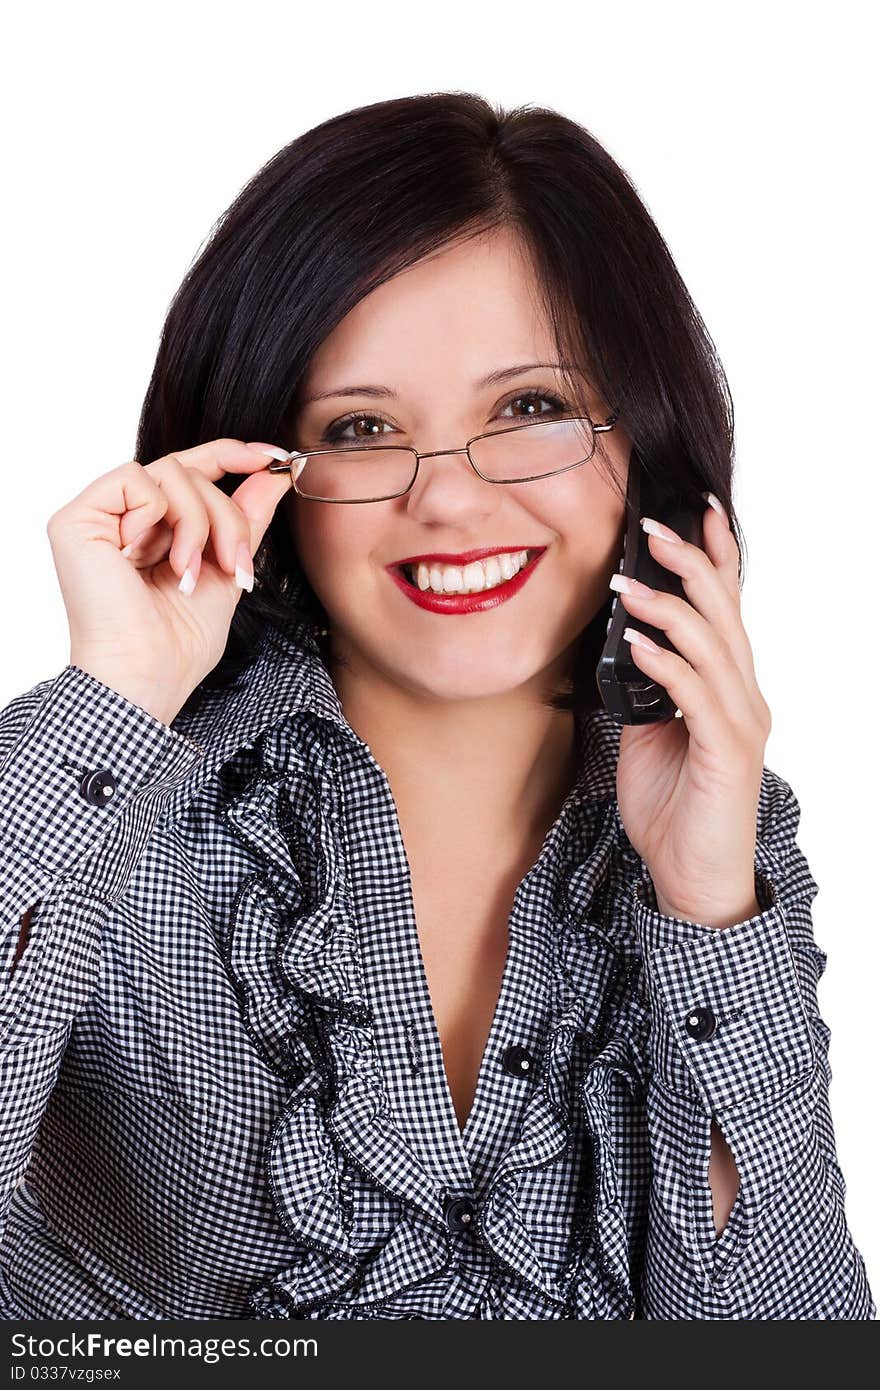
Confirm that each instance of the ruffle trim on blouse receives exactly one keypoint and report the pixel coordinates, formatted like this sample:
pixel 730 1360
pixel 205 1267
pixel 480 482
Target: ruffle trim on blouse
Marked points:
pixel 593 1043
pixel 290 952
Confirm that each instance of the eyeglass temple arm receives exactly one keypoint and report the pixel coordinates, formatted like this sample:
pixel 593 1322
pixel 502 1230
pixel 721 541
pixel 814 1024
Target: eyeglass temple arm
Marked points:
pixel 609 423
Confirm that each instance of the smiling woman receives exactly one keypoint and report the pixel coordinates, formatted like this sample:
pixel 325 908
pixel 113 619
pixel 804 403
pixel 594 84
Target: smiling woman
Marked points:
pixel 332 355
pixel 368 969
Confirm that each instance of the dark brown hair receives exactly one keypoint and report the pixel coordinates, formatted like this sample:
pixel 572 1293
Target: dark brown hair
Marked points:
pixel 365 195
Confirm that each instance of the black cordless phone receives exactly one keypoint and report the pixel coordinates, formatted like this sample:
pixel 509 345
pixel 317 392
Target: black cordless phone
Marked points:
pixel 627 693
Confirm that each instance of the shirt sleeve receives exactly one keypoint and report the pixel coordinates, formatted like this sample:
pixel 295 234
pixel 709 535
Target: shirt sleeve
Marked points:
pixel 736 1036
pixel 83 777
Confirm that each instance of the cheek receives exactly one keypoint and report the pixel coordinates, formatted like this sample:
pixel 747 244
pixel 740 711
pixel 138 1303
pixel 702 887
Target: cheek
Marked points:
pixel 587 518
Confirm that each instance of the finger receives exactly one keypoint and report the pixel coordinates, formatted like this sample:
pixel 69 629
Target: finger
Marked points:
pixel 258 497
pixel 221 456
pixel 116 507
pixel 253 502
pixel 150 546
pixel 186 513
pixel 229 527
pixel 711 590
pixel 209 463
pixel 210 460
pixel 708 725
pixel 720 544
pixel 703 647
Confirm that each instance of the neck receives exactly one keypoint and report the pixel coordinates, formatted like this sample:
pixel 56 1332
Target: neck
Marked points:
pixel 483 774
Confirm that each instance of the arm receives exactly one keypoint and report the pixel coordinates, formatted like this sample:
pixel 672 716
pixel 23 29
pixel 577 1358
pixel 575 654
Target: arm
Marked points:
pixel 68 852
pixel 723 1178
pixel 739 1051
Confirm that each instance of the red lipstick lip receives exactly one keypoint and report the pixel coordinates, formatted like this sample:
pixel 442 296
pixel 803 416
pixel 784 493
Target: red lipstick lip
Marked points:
pixel 465 603
pixel 466 558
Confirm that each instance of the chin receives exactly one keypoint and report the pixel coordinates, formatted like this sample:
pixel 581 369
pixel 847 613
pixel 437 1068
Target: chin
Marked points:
pixel 455 690
pixel 464 676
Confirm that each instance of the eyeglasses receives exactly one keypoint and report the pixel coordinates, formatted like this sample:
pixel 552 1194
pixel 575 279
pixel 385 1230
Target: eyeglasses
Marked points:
pixel 378 473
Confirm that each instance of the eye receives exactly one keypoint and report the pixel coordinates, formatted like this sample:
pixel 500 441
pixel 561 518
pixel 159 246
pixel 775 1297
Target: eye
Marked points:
pixel 336 433
pixel 557 405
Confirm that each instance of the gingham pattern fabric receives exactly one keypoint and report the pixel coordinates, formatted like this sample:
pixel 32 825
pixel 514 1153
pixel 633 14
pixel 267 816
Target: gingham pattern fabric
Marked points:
pixel 223 1094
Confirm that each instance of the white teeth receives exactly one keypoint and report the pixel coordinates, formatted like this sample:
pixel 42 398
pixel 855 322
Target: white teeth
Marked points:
pixel 472 578
pixel 453 582
pixel 494 572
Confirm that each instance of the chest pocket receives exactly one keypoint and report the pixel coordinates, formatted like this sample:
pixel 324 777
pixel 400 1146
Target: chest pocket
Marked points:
pixel 119 1173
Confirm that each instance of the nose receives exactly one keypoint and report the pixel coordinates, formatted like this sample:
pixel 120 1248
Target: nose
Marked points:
pixel 450 495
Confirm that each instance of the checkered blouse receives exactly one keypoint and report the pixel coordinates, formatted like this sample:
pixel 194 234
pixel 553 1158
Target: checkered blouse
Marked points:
pixel 223 1094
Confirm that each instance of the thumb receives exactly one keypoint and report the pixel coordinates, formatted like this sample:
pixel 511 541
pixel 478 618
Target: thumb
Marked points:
pixel 258 497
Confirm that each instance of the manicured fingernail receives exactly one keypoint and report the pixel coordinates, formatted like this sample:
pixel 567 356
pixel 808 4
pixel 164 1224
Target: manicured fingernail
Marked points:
pixel 656 528
pixel 713 502
pixel 624 585
pixel 127 549
pixel 191 573
pixel 244 568
pixel 271 451
pixel 640 640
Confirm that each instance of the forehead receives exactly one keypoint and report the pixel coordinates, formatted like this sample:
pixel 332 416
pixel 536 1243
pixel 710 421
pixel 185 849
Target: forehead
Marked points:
pixel 472 306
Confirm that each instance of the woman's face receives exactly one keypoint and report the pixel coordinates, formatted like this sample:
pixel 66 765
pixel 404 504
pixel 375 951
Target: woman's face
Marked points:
pixel 427 337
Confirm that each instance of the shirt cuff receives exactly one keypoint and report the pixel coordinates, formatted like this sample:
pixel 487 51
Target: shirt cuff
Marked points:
pixel 728 1017
pixel 84 779
pixel 84 758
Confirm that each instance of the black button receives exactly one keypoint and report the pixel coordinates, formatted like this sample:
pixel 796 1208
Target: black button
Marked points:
pixel 459 1213
pixel 518 1061
pixel 98 788
pixel 700 1023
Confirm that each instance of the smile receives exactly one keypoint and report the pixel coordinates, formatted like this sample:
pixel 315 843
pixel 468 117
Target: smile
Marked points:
pixel 480 584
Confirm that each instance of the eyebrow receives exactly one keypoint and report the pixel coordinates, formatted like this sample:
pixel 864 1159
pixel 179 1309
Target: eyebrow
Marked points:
pixel 503 374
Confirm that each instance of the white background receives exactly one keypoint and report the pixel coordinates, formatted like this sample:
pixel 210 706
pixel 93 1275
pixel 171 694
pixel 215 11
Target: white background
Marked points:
pixel 749 132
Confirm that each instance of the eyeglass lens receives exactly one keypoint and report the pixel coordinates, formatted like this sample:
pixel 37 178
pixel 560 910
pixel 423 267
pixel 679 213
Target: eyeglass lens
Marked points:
pixel 372 474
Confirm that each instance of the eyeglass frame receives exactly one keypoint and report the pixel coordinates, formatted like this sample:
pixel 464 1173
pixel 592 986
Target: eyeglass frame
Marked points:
pixel 286 466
